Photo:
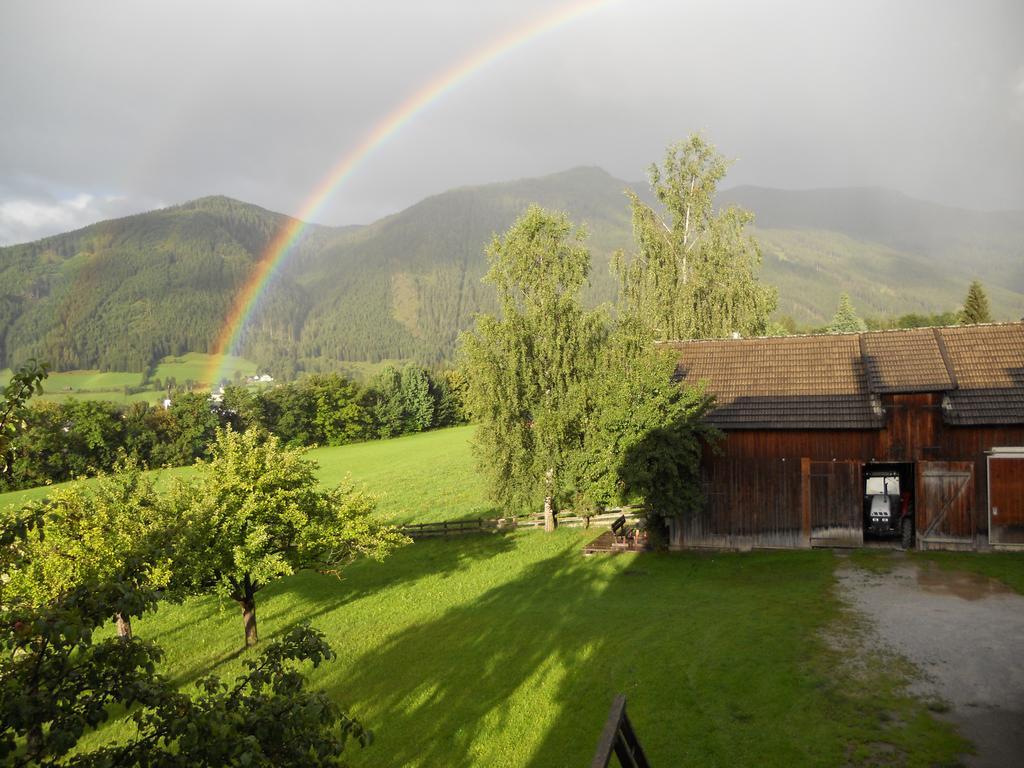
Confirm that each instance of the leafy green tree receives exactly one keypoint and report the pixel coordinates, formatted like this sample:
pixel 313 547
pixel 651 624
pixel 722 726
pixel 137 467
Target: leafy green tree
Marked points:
pixel 257 513
pixel 528 369
pixel 243 408
pixel 37 453
pixel 387 409
pixel 292 414
pixel 636 406
pixel 193 426
pixel 417 400
pixel 449 390
pixel 845 320
pixel 266 719
pixel 93 432
pixel 58 682
pixel 26 381
pixel 976 308
pixel 694 272
pixel 340 414
pixel 117 527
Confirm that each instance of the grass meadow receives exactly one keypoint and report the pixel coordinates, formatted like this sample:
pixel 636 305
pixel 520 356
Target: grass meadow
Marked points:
pixel 417 478
pixel 110 385
pixel 507 649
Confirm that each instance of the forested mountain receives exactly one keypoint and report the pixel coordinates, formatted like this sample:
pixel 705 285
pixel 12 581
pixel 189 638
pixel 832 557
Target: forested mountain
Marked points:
pixel 121 294
pixel 406 285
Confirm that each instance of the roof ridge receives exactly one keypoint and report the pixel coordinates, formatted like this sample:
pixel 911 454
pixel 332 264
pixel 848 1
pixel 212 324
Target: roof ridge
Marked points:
pixel 944 353
pixel 870 332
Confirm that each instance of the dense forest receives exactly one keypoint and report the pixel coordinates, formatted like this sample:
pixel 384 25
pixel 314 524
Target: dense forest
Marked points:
pixel 122 294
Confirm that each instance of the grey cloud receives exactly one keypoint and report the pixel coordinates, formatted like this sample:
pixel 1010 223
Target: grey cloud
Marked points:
pixel 259 100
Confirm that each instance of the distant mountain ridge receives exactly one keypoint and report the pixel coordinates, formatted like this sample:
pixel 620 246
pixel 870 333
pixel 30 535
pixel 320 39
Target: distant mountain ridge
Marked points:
pixel 121 294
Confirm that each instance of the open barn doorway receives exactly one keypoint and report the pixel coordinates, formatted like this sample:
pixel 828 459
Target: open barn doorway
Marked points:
pixel 889 504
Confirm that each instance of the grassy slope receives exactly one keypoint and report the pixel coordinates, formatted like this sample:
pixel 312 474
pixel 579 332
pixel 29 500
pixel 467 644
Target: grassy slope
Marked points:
pixel 195 366
pixel 109 385
pixel 507 651
pixel 421 478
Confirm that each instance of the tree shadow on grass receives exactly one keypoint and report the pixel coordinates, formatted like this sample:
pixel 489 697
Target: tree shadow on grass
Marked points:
pixel 316 595
pixel 448 692
pixel 403 569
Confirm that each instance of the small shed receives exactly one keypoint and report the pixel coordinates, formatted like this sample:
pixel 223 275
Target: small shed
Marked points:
pixel 808 420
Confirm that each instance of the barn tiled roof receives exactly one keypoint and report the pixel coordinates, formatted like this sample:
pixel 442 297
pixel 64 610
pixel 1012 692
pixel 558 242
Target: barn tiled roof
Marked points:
pixel 835 381
pixel 909 361
pixel 988 363
pixel 790 382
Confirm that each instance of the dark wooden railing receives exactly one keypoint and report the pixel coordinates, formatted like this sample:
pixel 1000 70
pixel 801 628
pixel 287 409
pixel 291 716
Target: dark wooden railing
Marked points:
pixel 618 737
pixel 448 528
pixel 483 525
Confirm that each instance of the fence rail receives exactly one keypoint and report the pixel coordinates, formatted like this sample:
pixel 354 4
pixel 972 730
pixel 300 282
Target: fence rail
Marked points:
pixel 486 525
pixel 619 738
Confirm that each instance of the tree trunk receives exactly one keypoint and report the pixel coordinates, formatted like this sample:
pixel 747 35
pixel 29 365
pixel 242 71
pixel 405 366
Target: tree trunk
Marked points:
pixel 550 521
pixel 248 604
pixel 124 626
pixel 249 621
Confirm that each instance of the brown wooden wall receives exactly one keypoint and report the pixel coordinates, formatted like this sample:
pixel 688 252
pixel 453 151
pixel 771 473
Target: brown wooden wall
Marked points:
pixel 754 485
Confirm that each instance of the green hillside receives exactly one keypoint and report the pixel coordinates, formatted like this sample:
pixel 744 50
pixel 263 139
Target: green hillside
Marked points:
pixel 422 478
pixel 122 295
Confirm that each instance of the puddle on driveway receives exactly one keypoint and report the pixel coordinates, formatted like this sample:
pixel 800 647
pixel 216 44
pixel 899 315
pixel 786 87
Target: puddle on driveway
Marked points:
pixel 967 586
pixel 965 633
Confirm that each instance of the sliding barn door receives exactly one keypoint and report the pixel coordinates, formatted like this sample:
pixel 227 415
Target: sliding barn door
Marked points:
pixel 834 503
pixel 945 503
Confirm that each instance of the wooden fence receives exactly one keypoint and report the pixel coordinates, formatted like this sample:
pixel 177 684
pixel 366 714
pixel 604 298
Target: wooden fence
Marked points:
pixel 483 525
pixel 619 738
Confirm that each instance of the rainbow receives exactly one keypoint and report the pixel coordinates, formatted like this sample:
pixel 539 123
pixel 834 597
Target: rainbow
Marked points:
pixel 245 300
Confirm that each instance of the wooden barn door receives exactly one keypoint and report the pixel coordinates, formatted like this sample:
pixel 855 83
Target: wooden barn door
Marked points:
pixel 833 503
pixel 945 503
pixel 1006 499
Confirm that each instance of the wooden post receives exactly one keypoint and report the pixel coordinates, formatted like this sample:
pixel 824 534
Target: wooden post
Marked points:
pixel 805 500
pixel 619 737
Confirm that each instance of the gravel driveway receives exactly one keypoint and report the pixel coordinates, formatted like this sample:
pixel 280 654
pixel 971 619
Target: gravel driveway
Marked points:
pixel 966 635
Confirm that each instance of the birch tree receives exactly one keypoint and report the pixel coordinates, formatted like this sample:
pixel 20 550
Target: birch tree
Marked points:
pixel 527 369
pixel 693 274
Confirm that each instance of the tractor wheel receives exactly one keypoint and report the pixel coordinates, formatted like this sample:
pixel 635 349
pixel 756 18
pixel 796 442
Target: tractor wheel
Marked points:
pixel 907 532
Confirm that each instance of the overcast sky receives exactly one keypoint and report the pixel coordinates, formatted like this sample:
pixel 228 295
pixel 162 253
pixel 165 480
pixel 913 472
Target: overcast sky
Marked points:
pixel 114 107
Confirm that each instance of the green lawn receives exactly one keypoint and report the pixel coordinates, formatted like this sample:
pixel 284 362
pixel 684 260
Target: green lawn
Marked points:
pixel 1007 567
pixel 418 478
pixel 507 651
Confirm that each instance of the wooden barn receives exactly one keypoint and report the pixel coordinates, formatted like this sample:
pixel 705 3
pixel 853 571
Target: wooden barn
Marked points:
pixel 814 426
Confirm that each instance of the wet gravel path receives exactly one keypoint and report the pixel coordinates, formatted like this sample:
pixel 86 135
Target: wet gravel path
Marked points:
pixel 966 634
